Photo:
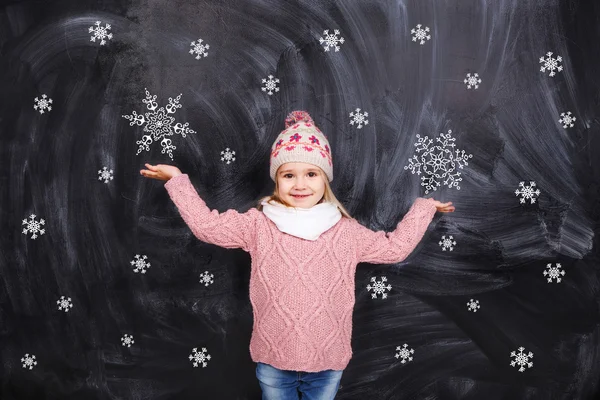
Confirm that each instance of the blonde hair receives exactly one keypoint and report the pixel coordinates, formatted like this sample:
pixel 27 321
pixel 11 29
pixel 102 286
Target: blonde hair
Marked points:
pixel 327 196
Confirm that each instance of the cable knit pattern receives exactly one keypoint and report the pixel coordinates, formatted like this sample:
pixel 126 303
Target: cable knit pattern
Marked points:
pixel 302 291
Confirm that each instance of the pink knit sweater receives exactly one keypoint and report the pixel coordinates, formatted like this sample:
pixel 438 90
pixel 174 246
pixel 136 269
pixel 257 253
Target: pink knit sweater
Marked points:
pixel 302 291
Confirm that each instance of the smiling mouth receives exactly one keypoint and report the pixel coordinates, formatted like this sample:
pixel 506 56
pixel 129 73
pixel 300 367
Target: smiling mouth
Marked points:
pixel 300 196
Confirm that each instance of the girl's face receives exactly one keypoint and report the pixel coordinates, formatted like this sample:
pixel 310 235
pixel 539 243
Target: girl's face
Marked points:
pixel 301 184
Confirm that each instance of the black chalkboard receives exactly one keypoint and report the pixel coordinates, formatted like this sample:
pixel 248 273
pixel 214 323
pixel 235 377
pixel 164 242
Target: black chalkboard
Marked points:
pixel 104 291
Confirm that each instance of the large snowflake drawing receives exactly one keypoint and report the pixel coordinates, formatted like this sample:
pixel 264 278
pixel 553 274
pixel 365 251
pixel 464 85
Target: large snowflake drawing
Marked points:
pixel 404 353
pixel 567 120
pixel 550 64
pixel 158 123
pixel 554 273
pixel 42 104
pixel 439 163
pixel 473 305
pixel 527 192
pixel 228 155
pixel 379 287
pixel 140 264
pixel 64 303
pixel 359 118
pixel 28 361
pixel 207 278
pixel 447 243
pixel 331 40
pixel 199 358
pixel 100 33
pixel 105 174
pixel 270 85
pixel 472 81
pixel 420 34
pixel 199 49
pixel 33 226
pixel 127 340
pixel 521 359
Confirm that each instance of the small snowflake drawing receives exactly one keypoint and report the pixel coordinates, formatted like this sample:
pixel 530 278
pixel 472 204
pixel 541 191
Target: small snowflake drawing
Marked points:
pixel 527 192
pixel 207 278
pixel 550 64
pixel 473 305
pixel 331 40
pixel 420 34
pixel 33 226
pixel 140 264
pixel 447 243
pixel 199 49
pixel 100 32
pixel 554 273
pixel 521 359
pixel 270 85
pixel 567 120
pixel 127 340
pixel 158 123
pixel 404 353
pixel 105 174
pixel 228 155
pixel 472 81
pixel 64 303
pixel 42 104
pixel 439 162
pixel 379 287
pixel 359 118
pixel 198 358
pixel 28 361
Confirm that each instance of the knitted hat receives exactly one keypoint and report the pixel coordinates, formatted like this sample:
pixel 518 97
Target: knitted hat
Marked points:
pixel 301 141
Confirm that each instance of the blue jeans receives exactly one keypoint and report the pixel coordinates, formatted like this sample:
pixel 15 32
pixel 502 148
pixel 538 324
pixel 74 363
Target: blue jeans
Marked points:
pixel 277 384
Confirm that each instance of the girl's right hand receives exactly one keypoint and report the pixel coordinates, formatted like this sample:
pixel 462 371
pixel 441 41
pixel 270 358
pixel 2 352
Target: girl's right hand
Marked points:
pixel 162 172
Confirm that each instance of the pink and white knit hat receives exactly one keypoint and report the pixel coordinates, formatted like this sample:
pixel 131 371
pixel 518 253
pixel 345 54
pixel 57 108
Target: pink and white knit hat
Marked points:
pixel 301 141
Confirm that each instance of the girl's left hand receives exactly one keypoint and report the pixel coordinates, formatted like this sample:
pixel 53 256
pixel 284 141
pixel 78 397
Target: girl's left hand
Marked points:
pixel 444 207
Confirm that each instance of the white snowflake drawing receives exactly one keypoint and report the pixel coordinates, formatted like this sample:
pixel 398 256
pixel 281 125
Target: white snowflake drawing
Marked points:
pixel 472 81
pixel 420 34
pixel 404 353
pixel 127 340
pixel 554 273
pixel 33 226
pixel 439 163
pixel 42 104
pixel 379 287
pixel 207 278
pixel 228 155
pixel 270 85
pixel 359 118
pixel 527 192
pixel 199 49
pixel 199 358
pixel 550 64
pixel 567 120
pixel 140 264
pixel 100 32
pixel 28 361
pixel 473 305
pixel 331 40
pixel 64 303
pixel 447 243
pixel 521 359
pixel 158 123
pixel 105 174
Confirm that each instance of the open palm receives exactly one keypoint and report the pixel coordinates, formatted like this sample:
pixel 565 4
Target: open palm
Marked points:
pixel 162 172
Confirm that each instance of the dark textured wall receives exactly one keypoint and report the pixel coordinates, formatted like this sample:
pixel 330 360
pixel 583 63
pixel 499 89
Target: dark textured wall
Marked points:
pixel 506 129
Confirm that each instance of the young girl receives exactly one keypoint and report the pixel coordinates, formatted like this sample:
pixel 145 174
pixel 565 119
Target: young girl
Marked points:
pixel 304 248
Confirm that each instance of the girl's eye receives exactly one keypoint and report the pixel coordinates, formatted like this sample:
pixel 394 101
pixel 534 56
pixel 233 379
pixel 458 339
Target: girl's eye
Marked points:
pixel 312 175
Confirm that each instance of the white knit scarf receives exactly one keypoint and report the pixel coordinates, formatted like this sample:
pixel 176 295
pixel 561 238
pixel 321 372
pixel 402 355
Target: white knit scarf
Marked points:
pixel 305 223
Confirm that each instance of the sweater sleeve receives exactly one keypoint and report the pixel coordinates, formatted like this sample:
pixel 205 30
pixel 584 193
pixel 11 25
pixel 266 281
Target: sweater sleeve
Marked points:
pixel 229 229
pixel 388 248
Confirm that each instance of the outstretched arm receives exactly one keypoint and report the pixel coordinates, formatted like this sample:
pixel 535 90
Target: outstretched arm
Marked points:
pixel 388 248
